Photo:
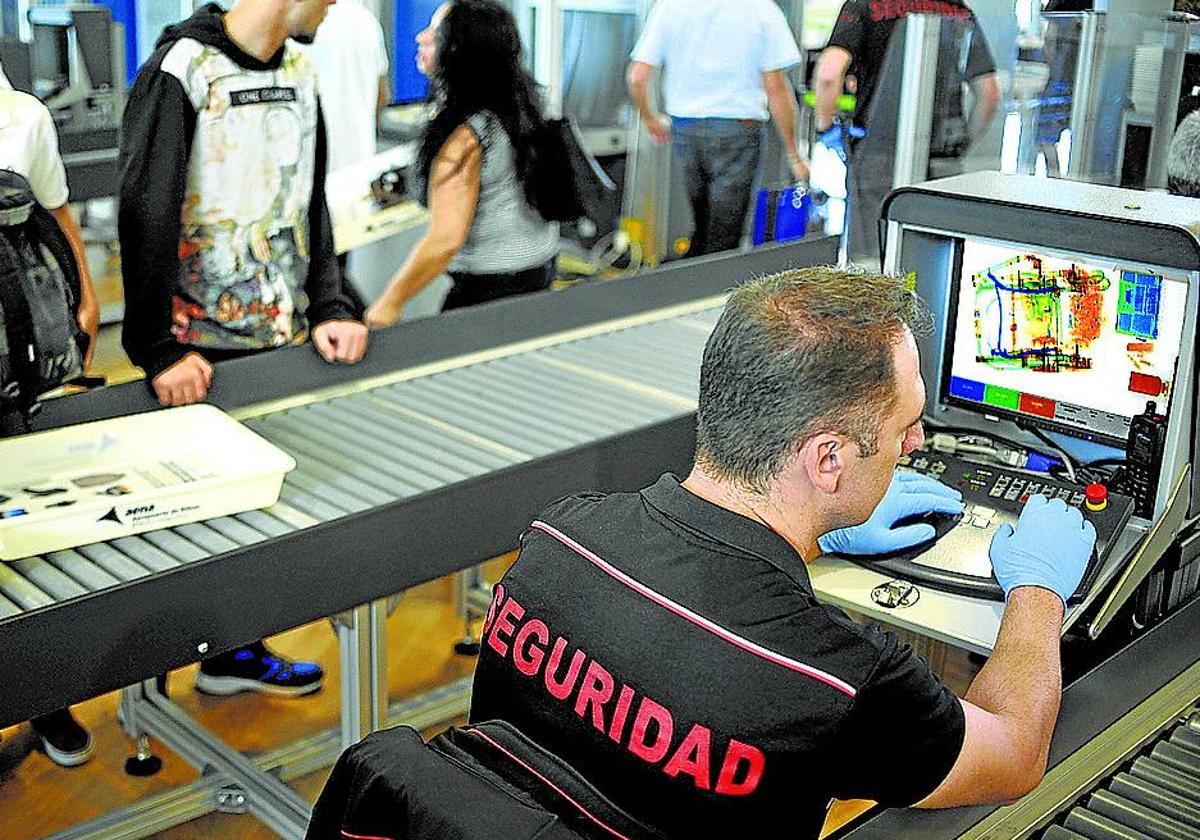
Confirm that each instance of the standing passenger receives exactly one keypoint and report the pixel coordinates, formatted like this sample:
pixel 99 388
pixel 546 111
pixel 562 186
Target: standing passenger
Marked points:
pixel 860 45
pixel 29 147
pixel 352 63
pixel 226 247
pixel 725 66
pixel 476 166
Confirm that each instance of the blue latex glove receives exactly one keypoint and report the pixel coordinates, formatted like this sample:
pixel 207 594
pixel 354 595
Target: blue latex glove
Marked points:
pixel 834 138
pixel 1050 548
pixel 910 494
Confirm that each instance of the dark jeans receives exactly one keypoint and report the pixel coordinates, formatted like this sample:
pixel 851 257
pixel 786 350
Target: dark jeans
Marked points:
pixel 719 160
pixel 470 289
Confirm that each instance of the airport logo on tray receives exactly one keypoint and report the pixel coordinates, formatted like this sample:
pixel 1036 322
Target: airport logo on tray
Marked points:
pixel 142 514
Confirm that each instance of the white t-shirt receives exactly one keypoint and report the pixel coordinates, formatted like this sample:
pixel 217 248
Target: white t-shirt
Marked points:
pixel 350 56
pixel 5 84
pixel 29 147
pixel 715 52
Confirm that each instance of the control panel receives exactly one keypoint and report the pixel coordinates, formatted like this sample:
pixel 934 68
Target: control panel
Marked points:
pixel 956 559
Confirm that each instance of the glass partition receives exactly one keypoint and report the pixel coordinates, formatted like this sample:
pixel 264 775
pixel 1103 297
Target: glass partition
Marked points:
pixel 1112 95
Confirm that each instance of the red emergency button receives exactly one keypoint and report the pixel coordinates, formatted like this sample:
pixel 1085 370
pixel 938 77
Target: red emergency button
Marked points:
pixel 1096 496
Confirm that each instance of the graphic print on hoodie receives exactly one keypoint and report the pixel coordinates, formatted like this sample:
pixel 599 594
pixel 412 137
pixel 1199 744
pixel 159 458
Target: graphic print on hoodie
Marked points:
pixel 232 149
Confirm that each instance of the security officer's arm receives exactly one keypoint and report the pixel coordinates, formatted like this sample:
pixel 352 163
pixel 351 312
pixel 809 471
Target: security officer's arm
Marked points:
pixel 986 91
pixel 829 78
pixel 1012 705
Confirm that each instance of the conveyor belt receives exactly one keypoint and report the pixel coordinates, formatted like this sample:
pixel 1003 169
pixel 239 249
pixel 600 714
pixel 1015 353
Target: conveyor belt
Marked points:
pixel 427 457
pixel 1157 796
pixel 393 442
pixel 1128 732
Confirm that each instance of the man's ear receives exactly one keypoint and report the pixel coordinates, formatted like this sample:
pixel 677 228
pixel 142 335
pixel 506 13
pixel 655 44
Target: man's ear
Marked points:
pixel 822 460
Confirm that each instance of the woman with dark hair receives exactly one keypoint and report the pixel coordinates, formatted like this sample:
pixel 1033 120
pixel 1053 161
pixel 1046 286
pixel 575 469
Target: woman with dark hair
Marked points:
pixel 477 166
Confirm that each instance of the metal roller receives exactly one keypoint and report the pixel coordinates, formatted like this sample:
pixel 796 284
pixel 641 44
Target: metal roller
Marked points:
pixel 20 590
pixel 148 555
pixel 239 532
pixel 1134 815
pixel 1098 827
pixel 1057 832
pixel 401 443
pixel 1178 758
pixel 489 406
pixel 1187 739
pixel 1158 798
pixel 595 413
pixel 596 396
pixel 265 523
pixel 209 539
pixel 457 451
pixel 114 561
pixel 313 508
pixel 367 451
pixel 492 426
pixel 79 568
pixel 7 607
pixel 1167 777
pixel 48 578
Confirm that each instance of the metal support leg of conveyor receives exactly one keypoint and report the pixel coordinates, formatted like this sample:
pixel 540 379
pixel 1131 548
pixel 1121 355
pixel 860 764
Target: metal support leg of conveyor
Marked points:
pixel 362 648
pixel 179 805
pixel 234 783
pixel 472 597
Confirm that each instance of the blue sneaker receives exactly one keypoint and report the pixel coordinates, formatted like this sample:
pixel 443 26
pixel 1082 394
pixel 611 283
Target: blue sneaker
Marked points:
pixel 255 668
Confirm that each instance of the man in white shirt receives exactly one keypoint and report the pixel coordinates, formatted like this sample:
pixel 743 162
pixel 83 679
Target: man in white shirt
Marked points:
pixel 29 147
pixel 724 69
pixel 352 65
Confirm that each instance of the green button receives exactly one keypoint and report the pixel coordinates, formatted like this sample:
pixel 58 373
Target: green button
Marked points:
pixel 1002 397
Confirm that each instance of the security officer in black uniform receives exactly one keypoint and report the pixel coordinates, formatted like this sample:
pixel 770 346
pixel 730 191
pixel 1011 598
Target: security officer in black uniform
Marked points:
pixel 668 645
pixel 861 44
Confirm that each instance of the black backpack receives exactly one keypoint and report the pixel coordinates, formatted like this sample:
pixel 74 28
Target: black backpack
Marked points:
pixel 568 182
pixel 41 345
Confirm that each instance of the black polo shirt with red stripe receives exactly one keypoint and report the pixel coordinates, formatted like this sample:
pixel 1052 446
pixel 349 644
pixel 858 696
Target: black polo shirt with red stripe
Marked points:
pixel 674 654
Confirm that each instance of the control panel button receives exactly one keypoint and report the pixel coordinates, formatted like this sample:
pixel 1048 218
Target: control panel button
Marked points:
pixel 985 512
pixel 1097 497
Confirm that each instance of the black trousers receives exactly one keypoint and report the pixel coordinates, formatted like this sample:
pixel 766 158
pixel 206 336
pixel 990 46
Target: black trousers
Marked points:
pixel 472 289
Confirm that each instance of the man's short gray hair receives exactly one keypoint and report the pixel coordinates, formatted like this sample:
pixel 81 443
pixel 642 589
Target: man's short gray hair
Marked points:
pixel 1183 161
pixel 796 354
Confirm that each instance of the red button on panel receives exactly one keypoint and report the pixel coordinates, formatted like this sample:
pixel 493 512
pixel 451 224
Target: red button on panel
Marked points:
pixel 1096 496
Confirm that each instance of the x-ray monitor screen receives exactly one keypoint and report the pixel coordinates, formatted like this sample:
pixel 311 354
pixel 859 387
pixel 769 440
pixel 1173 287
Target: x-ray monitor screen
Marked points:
pixel 1067 342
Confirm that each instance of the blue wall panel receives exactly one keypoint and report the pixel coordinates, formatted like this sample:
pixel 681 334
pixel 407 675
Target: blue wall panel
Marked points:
pixel 124 13
pixel 411 17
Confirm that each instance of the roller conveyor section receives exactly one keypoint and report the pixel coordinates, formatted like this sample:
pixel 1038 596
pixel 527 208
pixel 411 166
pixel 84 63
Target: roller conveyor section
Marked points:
pixel 399 440
pixel 1156 796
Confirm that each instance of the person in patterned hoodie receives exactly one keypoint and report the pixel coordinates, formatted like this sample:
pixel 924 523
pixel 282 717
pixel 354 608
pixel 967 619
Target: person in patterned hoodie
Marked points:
pixel 226 244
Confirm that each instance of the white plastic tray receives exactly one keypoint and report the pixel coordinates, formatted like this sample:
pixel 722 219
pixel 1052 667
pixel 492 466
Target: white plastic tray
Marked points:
pixel 112 478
